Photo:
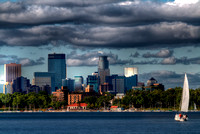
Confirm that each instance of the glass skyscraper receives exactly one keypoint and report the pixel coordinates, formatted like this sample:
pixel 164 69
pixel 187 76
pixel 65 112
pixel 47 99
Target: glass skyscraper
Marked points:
pixel 93 80
pixel 103 68
pixel 78 83
pixel 57 65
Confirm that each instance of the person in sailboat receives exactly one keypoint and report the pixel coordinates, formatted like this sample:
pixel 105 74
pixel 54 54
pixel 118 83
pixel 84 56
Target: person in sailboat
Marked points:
pixel 180 115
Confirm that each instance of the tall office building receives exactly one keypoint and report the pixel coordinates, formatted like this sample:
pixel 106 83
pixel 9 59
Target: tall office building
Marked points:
pixel 130 71
pixel 12 71
pixel 21 84
pixel 94 81
pixel 44 78
pixel 131 74
pixel 103 68
pixel 57 65
pixel 69 83
pixel 78 83
pixel 119 84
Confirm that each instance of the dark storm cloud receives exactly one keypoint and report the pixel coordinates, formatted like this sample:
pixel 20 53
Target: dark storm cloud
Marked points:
pixel 162 34
pixel 70 3
pixel 91 59
pixel 106 23
pixel 90 11
pixel 172 79
pixel 6 59
pixel 164 53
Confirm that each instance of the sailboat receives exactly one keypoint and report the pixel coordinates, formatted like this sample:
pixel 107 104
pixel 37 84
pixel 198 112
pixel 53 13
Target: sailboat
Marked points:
pixel 184 101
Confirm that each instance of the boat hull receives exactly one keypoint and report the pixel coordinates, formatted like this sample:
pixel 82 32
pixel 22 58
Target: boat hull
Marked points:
pixel 183 118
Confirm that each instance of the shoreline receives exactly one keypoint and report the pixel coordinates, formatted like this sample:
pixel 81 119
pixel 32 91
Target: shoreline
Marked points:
pixel 92 111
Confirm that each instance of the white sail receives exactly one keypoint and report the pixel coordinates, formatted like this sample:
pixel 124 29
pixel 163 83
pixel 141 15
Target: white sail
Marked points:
pixel 185 96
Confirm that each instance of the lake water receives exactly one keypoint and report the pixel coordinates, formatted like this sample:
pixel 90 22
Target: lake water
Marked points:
pixel 97 123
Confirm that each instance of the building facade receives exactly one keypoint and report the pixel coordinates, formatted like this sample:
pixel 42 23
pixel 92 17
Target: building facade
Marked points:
pixel 69 83
pixel 119 84
pixel 21 84
pixel 103 68
pixel 44 78
pixel 89 88
pixel 74 98
pixel 7 88
pixel 131 81
pixel 106 87
pixel 12 71
pixel 151 81
pixel 57 65
pixel 130 71
pixel 78 81
pixel 59 94
pixel 93 80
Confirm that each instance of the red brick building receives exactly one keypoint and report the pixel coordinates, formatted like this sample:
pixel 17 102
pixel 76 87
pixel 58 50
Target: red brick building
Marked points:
pixel 74 98
pixel 59 95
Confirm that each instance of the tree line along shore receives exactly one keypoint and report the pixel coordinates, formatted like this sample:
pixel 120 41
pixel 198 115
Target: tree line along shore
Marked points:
pixel 134 99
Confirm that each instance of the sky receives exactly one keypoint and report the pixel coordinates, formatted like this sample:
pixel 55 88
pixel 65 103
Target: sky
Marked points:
pixel 160 37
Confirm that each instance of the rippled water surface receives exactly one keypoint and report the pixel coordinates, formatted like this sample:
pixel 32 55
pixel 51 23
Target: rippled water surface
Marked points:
pixel 97 123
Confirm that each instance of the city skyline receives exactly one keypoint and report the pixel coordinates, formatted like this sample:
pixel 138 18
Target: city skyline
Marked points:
pixel 160 38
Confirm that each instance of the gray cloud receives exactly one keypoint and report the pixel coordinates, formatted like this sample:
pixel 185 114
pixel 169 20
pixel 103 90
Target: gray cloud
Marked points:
pixel 182 60
pixel 172 79
pixel 162 34
pixel 164 53
pixel 91 59
pixel 135 55
pixel 106 23
pixel 6 59
pixel 89 11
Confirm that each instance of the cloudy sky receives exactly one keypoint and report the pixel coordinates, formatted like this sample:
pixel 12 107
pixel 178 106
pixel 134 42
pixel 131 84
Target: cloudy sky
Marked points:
pixel 160 37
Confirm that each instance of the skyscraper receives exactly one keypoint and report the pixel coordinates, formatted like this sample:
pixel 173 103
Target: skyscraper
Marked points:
pixel 130 71
pixel 57 65
pixel 44 78
pixel 103 68
pixel 93 80
pixel 21 84
pixel 131 74
pixel 78 83
pixel 12 71
pixel 69 83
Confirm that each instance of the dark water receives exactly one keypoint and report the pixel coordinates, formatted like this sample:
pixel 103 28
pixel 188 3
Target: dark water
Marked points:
pixel 97 123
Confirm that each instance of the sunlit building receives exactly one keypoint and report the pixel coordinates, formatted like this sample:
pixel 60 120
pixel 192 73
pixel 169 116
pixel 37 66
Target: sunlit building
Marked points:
pixel 7 88
pixel 59 94
pixel 130 71
pixel 74 98
pixel 89 89
pixel 12 71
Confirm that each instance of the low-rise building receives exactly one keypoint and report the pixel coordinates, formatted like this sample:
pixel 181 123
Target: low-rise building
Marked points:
pixel 76 106
pixel 59 95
